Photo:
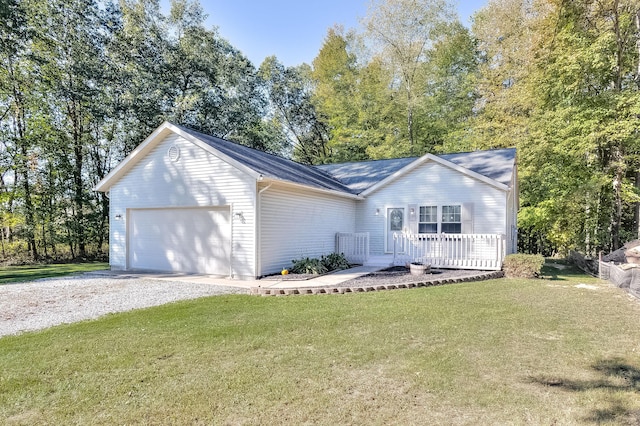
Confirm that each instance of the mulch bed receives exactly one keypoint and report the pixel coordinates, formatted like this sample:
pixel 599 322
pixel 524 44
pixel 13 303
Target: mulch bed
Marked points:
pixel 389 279
pixel 291 277
pixel 401 275
pixel 392 275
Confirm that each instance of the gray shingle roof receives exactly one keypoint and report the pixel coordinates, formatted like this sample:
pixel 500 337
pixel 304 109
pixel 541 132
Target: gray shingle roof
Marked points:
pixel 271 166
pixel 360 176
pixel 354 178
pixel 495 164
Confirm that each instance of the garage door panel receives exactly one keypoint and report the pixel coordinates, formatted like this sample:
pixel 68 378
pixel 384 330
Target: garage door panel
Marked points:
pixel 180 240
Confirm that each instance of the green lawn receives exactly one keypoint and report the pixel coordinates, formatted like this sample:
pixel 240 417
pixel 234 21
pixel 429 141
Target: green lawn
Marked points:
pixel 13 274
pixel 492 352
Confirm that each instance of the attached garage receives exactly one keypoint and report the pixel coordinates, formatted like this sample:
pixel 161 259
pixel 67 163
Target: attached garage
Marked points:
pixel 196 240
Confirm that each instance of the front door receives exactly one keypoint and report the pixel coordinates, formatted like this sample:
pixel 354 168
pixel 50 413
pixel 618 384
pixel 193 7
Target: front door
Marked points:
pixel 395 225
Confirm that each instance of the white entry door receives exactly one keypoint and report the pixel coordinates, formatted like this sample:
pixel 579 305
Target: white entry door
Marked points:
pixel 395 225
pixel 195 240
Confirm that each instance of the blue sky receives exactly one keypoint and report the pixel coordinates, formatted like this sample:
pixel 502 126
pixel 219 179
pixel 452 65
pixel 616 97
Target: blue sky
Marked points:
pixel 293 30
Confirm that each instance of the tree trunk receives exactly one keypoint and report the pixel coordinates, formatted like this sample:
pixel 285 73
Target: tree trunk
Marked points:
pixel 410 122
pixel 637 19
pixel 23 163
pixel 637 212
pixel 616 217
pixel 73 109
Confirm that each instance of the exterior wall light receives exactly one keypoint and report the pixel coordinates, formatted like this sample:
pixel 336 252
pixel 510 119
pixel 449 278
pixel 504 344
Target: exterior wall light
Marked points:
pixel 377 212
pixel 239 216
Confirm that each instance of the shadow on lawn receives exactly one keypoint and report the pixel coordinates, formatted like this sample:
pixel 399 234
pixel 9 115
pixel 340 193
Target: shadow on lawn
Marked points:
pixel 617 375
pixel 566 273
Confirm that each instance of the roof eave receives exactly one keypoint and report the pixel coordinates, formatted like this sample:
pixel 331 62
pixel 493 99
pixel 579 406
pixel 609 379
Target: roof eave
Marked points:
pixel 312 188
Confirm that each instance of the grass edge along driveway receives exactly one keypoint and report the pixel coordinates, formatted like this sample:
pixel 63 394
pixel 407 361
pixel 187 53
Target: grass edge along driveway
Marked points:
pixel 23 273
pixel 500 351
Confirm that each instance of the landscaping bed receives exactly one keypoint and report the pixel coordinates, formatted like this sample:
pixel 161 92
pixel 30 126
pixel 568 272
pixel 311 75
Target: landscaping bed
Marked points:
pixel 401 275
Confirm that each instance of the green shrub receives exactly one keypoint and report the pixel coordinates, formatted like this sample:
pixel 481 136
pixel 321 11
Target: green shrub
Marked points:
pixel 523 265
pixel 335 262
pixel 328 263
pixel 308 266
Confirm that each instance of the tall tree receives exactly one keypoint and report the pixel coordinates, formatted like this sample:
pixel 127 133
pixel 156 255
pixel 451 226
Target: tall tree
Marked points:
pixel 356 100
pixel 560 80
pixel 289 90
pixel 72 56
pixel 446 110
pixel 335 74
pixel 505 35
pixel 592 97
pixel 403 32
pixel 17 89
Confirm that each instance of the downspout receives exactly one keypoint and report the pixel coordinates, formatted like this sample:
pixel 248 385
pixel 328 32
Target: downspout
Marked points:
pixel 258 252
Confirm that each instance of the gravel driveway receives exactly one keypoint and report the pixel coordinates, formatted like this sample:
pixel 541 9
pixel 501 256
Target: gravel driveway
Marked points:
pixel 44 303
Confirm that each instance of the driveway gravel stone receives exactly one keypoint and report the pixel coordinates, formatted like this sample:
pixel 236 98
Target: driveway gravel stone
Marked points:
pixel 41 304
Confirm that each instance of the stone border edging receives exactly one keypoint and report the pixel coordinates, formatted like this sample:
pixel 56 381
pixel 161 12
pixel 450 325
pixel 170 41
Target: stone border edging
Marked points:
pixel 336 289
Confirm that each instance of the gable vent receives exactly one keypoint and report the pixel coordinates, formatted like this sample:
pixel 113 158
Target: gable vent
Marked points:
pixel 173 153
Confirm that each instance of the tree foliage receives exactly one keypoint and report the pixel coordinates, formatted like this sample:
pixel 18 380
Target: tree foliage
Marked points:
pixel 561 80
pixel 83 82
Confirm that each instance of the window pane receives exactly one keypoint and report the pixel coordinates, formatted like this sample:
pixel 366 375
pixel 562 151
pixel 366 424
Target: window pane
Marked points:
pixel 450 214
pixel 428 214
pixel 427 228
pixel 396 219
pixel 423 214
pixel 428 221
pixel 452 228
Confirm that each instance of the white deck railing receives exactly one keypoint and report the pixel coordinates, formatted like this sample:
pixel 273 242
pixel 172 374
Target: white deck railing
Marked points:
pixel 457 251
pixel 354 246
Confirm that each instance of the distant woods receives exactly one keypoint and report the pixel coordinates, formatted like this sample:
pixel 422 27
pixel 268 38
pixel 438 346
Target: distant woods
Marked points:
pixel 83 82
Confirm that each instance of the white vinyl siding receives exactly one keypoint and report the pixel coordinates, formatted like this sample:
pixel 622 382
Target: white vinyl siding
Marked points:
pixel 432 184
pixel 296 223
pixel 197 179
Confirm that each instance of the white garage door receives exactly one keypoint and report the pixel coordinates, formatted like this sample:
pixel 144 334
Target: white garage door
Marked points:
pixel 180 240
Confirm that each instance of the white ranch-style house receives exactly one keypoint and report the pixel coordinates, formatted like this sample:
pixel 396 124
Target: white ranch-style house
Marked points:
pixel 184 201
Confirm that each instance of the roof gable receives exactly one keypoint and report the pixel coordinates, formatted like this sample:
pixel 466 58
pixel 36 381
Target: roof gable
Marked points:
pixel 258 164
pixel 495 167
pixel 492 166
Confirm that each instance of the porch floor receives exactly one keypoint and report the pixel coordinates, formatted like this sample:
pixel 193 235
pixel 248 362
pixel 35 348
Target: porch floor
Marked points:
pixel 380 260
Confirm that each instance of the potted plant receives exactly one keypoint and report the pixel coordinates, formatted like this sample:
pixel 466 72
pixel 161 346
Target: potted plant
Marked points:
pixel 419 268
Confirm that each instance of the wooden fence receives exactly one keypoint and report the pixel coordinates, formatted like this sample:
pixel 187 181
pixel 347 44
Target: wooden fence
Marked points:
pixel 456 251
pixel 354 246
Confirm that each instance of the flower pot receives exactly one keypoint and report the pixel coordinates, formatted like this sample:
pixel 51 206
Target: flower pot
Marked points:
pixel 419 268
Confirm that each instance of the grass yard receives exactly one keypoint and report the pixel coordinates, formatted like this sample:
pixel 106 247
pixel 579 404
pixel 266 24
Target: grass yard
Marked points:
pixel 564 350
pixel 14 274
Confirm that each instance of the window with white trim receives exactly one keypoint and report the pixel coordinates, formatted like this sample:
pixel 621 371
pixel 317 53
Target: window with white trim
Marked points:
pixel 451 219
pixel 428 220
